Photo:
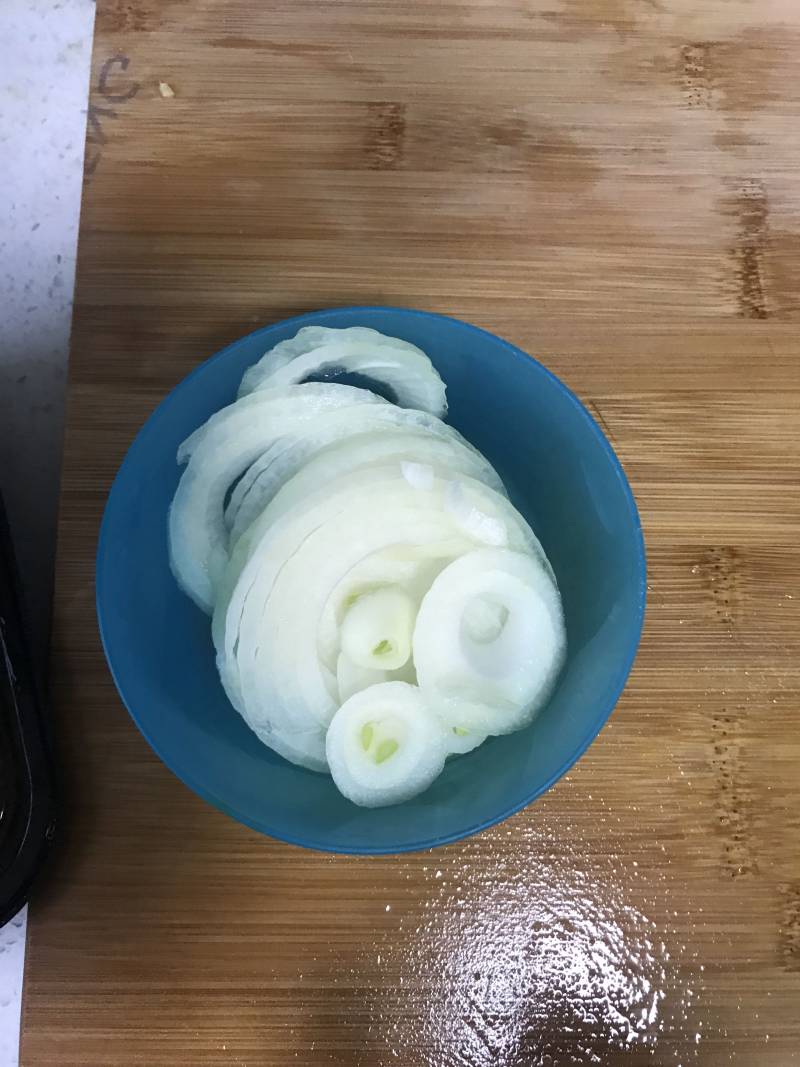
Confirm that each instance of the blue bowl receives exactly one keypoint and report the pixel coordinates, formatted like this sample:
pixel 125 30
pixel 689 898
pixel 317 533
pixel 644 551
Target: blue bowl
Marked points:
pixel 560 472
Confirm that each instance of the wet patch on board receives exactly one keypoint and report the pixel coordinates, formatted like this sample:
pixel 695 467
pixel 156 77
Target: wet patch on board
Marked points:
pixel 535 955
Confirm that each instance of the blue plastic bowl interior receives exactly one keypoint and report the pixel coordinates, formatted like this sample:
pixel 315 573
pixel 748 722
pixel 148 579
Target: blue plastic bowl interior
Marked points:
pixel 560 472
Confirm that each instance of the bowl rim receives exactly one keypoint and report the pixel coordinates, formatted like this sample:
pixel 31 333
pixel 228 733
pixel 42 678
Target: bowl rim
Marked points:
pixel 600 719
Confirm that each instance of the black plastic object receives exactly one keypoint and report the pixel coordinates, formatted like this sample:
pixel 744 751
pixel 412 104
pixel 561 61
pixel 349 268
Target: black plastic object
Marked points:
pixel 27 805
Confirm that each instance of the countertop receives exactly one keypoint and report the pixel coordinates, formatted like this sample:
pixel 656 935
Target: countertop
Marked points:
pixel 45 51
pixel 611 185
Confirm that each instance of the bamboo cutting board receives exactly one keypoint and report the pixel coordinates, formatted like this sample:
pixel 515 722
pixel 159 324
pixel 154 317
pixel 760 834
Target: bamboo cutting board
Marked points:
pixel 612 185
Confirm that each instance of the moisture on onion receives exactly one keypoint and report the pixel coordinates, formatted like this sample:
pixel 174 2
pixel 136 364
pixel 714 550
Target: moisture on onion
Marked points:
pixel 378 604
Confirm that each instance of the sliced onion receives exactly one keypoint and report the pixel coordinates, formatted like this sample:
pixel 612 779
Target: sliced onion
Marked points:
pixel 325 479
pixel 325 489
pixel 280 529
pixel 351 678
pixel 250 574
pixel 472 520
pixel 411 567
pixel 272 623
pixel 367 436
pixel 401 366
pixel 459 740
pixel 306 340
pixel 377 627
pixel 384 746
pixel 217 455
pixel 271 619
pixel 489 640
pixel 418 475
pixel 306 748
pixel 379 604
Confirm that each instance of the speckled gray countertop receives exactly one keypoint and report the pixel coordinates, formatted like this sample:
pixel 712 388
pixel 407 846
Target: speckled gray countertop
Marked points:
pixel 45 53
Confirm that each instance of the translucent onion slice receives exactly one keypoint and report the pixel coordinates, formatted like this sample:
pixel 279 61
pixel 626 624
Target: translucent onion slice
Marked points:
pixel 326 478
pixel 473 521
pixel 418 475
pixel 217 454
pixel 368 436
pixel 384 746
pixel 251 574
pixel 411 567
pixel 489 640
pixel 401 366
pixel 306 748
pixel 377 627
pixel 273 641
pixel 306 340
pixel 459 740
pixel 272 618
pixel 351 679
pixel 288 520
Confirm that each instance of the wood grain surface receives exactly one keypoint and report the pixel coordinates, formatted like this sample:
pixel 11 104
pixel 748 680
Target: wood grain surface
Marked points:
pixel 612 185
